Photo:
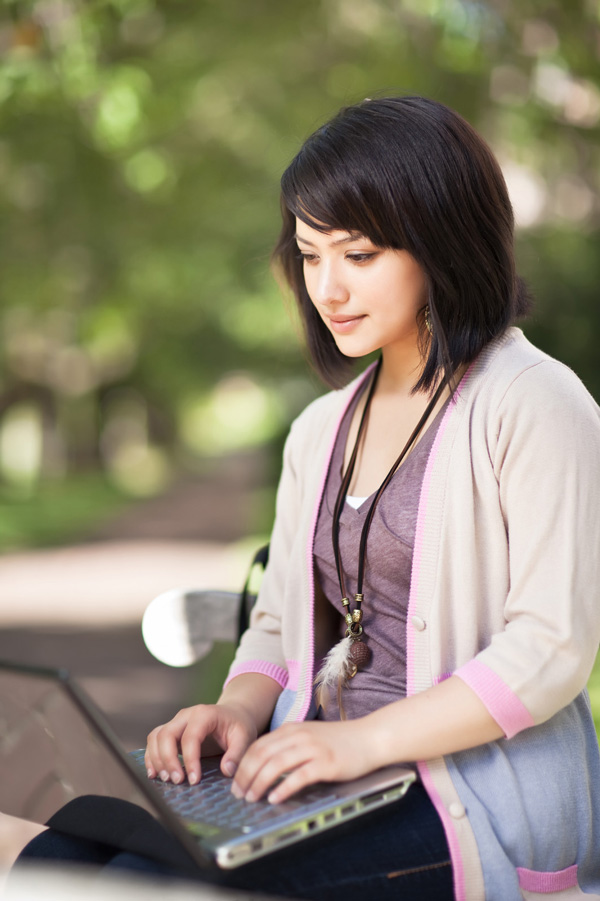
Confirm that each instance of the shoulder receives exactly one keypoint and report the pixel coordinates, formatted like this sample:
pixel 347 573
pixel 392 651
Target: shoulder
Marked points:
pixel 513 376
pixel 522 402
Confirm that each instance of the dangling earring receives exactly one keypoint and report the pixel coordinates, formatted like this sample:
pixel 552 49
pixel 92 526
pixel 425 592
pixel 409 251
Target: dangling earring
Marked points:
pixel 427 318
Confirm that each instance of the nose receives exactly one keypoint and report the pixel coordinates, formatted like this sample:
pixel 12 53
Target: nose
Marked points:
pixel 325 284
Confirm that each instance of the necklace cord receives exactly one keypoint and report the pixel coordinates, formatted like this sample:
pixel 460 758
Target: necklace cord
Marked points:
pixel 362 553
pixel 347 476
pixel 343 490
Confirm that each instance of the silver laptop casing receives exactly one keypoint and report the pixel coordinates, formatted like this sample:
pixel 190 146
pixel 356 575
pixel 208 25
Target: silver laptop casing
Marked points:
pixel 57 746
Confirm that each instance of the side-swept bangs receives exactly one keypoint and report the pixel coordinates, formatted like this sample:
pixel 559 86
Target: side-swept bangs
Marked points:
pixel 409 173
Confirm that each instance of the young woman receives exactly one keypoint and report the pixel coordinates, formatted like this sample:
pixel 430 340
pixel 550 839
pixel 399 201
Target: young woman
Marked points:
pixel 437 526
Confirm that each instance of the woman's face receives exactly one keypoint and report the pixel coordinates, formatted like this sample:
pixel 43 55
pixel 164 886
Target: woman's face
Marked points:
pixel 368 297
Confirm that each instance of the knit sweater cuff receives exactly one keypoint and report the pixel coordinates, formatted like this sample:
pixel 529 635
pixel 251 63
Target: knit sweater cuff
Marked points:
pixel 264 667
pixel 502 703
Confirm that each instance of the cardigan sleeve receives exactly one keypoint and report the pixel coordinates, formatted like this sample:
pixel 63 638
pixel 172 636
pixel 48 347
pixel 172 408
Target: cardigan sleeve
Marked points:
pixel 547 463
pixel 260 649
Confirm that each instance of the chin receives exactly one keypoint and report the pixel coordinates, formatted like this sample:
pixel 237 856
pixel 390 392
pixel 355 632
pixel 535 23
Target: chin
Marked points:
pixel 354 352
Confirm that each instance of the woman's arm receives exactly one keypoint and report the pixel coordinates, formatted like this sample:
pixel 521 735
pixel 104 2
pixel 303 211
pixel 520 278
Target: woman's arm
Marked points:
pixel 544 446
pixel 448 717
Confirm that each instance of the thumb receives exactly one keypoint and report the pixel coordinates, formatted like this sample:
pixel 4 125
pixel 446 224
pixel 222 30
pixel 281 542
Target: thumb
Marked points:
pixel 239 742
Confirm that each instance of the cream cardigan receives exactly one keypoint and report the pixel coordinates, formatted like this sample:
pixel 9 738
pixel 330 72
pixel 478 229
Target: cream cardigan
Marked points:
pixel 504 593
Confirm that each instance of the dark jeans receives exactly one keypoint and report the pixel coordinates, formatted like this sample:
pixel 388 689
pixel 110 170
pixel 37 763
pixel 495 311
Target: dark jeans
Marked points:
pixel 397 852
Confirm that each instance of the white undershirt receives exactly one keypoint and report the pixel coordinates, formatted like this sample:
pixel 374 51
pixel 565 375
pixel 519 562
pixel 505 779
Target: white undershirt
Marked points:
pixel 355 502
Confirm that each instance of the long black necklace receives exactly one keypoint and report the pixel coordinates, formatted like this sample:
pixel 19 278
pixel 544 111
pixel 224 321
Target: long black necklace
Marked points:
pixel 352 653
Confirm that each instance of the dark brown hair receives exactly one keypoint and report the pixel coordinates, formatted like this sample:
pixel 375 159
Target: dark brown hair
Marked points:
pixel 410 174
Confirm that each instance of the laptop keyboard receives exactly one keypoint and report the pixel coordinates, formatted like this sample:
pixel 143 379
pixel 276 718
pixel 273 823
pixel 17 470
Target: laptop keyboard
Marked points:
pixel 212 801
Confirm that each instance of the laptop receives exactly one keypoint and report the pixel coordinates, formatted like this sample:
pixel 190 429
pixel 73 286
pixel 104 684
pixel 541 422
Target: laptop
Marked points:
pixel 57 749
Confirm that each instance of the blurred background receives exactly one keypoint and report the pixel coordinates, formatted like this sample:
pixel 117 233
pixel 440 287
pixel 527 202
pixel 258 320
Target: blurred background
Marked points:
pixel 149 367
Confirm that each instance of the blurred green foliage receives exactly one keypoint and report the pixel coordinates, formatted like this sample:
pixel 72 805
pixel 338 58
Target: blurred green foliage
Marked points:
pixel 61 512
pixel 141 145
pixel 594 692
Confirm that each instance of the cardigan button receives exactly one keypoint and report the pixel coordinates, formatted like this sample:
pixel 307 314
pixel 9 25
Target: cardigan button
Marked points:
pixel 418 623
pixel 456 810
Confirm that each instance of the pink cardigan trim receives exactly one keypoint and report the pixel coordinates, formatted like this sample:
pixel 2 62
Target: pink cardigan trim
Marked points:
pixel 451 837
pixel 418 547
pixel 545 883
pixel 428 783
pixel 503 704
pixel 293 668
pixel 308 693
pixel 278 673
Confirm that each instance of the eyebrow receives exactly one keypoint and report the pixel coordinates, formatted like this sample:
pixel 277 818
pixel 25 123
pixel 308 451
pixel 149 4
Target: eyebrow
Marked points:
pixel 352 236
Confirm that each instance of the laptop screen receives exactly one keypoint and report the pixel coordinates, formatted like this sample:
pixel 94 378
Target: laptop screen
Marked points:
pixel 50 751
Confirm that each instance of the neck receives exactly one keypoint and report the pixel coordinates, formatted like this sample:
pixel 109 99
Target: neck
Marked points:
pixel 400 370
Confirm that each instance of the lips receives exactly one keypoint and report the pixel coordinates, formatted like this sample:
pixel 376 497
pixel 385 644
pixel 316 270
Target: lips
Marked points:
pixel 343 324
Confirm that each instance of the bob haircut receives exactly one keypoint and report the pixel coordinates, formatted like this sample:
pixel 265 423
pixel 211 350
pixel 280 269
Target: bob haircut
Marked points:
pixel 410 174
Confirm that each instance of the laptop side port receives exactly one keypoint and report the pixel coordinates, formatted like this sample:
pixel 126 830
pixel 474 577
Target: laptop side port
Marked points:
pixel 371 799
pixel 286 836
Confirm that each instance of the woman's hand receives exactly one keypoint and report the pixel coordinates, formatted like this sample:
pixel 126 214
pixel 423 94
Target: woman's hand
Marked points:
pixel 446 718
pixel 206 728
pixel 242 712
pixel 301 754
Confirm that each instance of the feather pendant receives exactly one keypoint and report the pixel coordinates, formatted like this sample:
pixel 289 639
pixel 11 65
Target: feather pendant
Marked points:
pixel 335 671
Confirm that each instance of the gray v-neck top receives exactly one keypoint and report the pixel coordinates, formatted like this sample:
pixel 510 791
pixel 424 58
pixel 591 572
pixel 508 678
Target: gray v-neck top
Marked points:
pixel 387 571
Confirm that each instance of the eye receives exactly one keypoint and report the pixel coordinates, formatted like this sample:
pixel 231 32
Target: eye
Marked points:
pixel 307 257
pixel 364 257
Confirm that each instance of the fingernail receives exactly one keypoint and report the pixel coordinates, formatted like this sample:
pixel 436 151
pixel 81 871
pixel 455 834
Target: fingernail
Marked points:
pixel 192 778
pixel 273 798
pixel 236 791
pixel 150 773
pixel 164 775
pixel 230 768
pixel 250 796
pixel 175 777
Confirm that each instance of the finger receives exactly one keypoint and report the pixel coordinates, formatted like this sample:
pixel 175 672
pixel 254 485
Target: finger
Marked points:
pixel 201 724
pixel 167 744
pixel 238 743
pixel 273 769
pixel 150 756
pixel 258 753
pixel 300 778
pixel 191 744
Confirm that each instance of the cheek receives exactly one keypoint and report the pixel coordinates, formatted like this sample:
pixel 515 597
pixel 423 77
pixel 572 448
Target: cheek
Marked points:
pixel 312 289
pixel 423 289
pixel 414 290
pixel 420 285
pixel 308 283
